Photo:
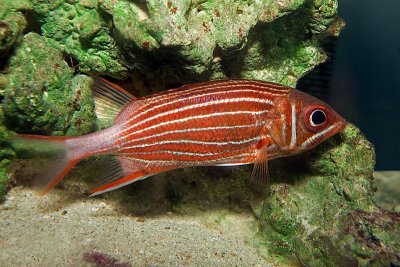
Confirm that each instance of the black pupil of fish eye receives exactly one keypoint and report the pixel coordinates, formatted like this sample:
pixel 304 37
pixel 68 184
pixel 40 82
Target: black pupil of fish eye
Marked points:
pixel 318 117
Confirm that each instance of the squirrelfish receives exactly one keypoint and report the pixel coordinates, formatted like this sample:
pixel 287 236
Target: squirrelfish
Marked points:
pixel 229 122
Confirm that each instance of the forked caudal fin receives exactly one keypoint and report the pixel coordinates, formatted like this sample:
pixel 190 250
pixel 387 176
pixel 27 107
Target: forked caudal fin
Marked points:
pixel 55 150
pixel 62 153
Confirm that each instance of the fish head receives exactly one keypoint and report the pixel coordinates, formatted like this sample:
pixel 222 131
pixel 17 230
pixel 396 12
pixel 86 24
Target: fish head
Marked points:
pixel 311 121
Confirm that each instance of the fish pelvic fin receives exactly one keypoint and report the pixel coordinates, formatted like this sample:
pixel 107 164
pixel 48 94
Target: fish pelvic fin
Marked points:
pixel 109 100
pixel 55 152
pixel 259 175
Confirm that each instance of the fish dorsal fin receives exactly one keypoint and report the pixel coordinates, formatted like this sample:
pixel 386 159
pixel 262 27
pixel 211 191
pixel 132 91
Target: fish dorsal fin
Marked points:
pixel 109 100
pixel 259 175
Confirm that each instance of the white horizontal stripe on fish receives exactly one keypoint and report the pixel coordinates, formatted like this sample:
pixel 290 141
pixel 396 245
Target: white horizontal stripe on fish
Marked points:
pixel 209 87
pixel 173 152
pixel 311 139
pixel 206 104
pixel 183 100
pixel 191 162
pixel 215 86
pixel 197 142
pixel 192 118
pixel 191 130
pixel 232 164
pixel 184 153
pixel 279 89
pixel 118 186
pixel 270 148
pixel 144 111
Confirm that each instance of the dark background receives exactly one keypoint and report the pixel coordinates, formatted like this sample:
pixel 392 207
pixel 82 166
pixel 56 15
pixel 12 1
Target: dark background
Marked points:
pixel 362 79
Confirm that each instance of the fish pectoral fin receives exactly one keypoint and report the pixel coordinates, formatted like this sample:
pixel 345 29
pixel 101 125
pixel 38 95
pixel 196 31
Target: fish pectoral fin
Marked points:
pixel 275 131
pixel 259 175
pixel 109 100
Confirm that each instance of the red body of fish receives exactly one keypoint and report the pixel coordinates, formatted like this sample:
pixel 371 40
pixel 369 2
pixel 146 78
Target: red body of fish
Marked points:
pixel 214 123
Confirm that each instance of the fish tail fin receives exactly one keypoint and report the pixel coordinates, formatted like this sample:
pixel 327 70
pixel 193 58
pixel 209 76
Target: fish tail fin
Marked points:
pixel 57 155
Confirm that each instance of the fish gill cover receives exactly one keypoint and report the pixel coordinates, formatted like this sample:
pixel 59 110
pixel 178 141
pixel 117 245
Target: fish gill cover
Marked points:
pixel 313 213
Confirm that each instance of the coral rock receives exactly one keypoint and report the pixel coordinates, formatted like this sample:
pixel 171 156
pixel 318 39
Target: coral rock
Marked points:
pixel 41 93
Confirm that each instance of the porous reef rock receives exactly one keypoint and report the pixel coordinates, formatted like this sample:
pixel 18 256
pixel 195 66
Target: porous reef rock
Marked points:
pixel 323 214
pixel 6 155
pixel 183 41
pixel 12 24
pixel 319 209
pixel 42 94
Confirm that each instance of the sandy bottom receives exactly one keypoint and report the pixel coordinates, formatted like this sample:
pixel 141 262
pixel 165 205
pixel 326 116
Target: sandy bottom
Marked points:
pixel 57 230
pixel 387 195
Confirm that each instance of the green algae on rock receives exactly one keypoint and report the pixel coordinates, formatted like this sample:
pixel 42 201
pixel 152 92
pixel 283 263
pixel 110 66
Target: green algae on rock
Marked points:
pixel 6 155
pixel 186 41
pixel 312 218
pixel 12 24
pixel 202 40
pixel 369 238
pixel 77 28
pixel 41 93
pixel 3 183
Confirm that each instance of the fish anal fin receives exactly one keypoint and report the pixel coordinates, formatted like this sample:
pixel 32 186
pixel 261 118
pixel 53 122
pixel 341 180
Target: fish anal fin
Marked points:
pixel 259 175
pixel 109 100
pixel 108 170
pixel 120 182
pixel 123 171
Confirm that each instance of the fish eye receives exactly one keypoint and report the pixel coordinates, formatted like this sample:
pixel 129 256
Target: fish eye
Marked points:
pixel 317 117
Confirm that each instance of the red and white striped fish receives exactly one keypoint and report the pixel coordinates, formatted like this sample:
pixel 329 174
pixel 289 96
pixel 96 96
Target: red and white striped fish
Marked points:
pixel 231 122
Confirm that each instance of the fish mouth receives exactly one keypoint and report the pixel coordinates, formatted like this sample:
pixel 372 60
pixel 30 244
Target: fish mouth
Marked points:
pixel 338 127
pixel 335 129
pixel 327 133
